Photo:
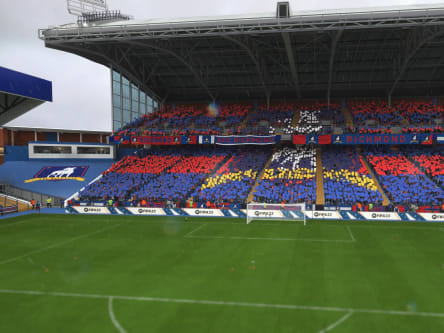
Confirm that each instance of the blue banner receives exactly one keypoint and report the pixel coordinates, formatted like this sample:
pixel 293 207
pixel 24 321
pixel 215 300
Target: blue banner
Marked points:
pixel 206 139
pixel 312 139
pixel 247 140
pixel 378 139
pixel 440 138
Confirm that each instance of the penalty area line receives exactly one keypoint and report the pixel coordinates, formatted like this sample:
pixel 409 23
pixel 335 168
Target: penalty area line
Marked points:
pixel 271 239
pixel 196 229
pixel 224 303
pixel 351 234
pixel 337 322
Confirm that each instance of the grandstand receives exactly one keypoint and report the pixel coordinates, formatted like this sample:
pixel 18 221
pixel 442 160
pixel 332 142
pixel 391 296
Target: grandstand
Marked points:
pixel 334 118
pixel 254 80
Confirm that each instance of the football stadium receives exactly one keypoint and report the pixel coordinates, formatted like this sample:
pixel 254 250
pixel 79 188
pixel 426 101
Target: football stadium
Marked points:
pixel 281 172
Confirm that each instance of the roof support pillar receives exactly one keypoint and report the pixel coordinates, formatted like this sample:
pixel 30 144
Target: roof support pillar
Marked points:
pixel 334 43
pixel 178 57
pixel 291 62
pixel 253 53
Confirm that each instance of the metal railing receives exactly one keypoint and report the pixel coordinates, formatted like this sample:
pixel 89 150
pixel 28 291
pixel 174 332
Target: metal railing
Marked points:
pixel 19 193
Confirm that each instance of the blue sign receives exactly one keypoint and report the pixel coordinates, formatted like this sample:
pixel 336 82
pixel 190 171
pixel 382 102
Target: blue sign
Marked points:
pixel 56 173
pixel 247 140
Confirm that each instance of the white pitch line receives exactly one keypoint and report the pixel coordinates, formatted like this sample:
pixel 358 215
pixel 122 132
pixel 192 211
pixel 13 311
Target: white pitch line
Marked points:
pixel 194 230
pixel 57 244
pixel 337 323
pixel 272 239
pixel 113 317
pixel 351 234
pixel 399 226
pixel 294 223
pixel 225 303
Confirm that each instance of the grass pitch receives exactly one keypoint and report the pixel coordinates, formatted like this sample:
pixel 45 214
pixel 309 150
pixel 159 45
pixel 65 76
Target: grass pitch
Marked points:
pixel 66 273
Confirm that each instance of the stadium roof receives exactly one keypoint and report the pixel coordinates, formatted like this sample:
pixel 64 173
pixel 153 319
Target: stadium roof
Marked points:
pixel 319 54
pixel 20 93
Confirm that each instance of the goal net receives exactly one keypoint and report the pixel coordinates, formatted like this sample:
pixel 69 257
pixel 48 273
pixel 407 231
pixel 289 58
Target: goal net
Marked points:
pixel 268 211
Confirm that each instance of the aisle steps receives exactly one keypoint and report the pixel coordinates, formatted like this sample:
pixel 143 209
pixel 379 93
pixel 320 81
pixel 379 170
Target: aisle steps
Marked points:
pixel 256 183
pixel 385 200
pixel 320 197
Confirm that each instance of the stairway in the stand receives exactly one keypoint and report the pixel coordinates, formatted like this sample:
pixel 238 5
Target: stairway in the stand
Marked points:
pixel 244 122
pixel 297 115
pixel 209 175
pixel 348 117
pixel 424 171
pixel 320 197
pixel 258 178
pixel 385 200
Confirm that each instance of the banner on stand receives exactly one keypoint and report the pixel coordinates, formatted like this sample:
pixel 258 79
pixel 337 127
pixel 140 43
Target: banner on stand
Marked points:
pixel 247 140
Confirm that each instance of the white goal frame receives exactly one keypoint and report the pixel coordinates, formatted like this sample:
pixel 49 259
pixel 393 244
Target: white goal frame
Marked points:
pixel 275 212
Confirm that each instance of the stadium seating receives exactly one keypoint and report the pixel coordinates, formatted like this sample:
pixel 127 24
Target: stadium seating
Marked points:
pixel 364 111
pixel 233 181
pixel 167 174
pixel 200 119
pixel 420 115
pixel 193 119
pixel 346 180
pixel 402 180
pixel 275 119
pixel 290 177
pixel 409 176
pixel 431 161
pixel 309 122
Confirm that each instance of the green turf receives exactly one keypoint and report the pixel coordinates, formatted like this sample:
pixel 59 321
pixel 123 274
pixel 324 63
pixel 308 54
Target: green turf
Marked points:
pixel 219 275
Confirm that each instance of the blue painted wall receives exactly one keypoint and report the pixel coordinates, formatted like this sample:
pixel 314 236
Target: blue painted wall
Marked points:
pixel 16 172
pixel 16 153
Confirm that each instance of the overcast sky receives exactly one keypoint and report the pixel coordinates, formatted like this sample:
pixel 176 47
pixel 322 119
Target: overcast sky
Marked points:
pixel 81 88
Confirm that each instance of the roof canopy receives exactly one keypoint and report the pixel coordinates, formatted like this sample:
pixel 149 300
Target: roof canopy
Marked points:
pixel 328 54
pixel 20 93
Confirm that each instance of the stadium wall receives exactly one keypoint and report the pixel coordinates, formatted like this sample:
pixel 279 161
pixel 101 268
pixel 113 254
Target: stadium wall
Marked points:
pixel 16 153
pixel 122 152
pixel 69 137
pixel 21 136
pixel 3 137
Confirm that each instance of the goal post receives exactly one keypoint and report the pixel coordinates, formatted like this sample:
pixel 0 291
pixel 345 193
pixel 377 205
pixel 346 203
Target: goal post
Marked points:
pixel 276 212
